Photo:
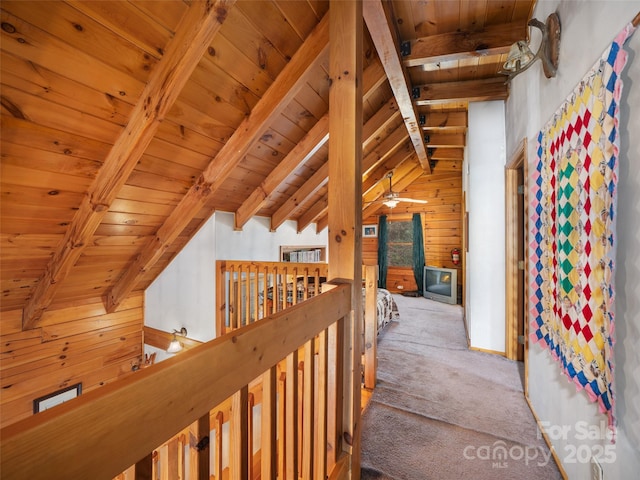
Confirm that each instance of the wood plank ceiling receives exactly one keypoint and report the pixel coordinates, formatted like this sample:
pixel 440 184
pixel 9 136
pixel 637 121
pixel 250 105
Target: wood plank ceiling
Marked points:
pixel 126 124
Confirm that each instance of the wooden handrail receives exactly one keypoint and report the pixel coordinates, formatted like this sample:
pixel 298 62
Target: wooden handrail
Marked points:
pixel 103 432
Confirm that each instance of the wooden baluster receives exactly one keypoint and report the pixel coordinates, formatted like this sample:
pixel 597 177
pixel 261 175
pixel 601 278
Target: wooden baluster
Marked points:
pixel 247 296
pixel 233 320
pixel 291 421
pixel 305 284
pixel 277 293
pixel 156 464
pixel 221 301
pixel 334 390
pixel 316 282
pixel 181 458
pixel 238 451
pixel 240 297
pixel 274 290
pixel 300 398
pixel 251 403
pixel 218 454
pixel 231 293
pixel 256 295
pixel 163 462
pixel 285 288
pixel 370 327
pixel 172 459
pixel 294 286
pixel 268 437
pixel 308 409
pixel 320 464
pixel 201 430
pixel 282 433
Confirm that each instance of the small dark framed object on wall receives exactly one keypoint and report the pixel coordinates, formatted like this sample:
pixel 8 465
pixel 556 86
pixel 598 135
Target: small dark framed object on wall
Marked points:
pixel 56 398
pixel 369 230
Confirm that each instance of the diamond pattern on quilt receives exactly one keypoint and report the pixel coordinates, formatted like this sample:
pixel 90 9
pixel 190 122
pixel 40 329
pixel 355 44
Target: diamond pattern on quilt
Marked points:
pixel 573 207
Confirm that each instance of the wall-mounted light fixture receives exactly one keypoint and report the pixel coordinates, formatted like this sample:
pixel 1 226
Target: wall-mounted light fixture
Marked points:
pixel 521 57
pixel 175 345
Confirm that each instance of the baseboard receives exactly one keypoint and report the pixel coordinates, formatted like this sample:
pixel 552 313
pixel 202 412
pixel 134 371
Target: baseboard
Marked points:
pixel 466 329
pixel 546 439
pixel 485 350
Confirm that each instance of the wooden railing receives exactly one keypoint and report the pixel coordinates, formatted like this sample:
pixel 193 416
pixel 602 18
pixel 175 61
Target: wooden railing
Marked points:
pixel 254 276
pixel 247 291
pixel 105 431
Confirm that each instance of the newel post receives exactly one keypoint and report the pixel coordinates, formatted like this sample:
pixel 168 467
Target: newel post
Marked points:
pixel 345 202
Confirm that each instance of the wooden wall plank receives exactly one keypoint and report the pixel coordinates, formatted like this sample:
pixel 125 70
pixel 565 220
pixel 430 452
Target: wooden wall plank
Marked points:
pixel 76 343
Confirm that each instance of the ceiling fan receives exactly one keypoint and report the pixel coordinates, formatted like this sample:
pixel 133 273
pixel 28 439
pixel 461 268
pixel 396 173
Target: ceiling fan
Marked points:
pixel 391 198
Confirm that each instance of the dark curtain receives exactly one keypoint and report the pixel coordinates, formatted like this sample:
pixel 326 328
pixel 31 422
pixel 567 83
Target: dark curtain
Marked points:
pixel 418 251
pixel 382 251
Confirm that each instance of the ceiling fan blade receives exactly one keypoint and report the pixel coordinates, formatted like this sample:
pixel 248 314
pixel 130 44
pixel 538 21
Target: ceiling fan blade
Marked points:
pixel 412 200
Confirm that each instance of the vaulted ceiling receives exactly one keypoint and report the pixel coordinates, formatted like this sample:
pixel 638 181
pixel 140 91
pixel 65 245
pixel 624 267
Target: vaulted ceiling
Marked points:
pixel 126 124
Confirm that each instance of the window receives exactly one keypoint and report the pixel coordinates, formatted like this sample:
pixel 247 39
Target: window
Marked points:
pixel 400 244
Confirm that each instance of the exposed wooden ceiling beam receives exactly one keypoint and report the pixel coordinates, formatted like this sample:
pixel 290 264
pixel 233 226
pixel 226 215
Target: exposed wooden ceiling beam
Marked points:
pixel 447 167
pixel 494 88
pixel 295 202
pixel 373 77
pixel 275 100
pixel 369 132
pixel 390 164
pixel 386 43
pixel 492 40
pixel 303 151
pixel 313 213
pixel 322 222
pixel 443 121
pixel 448 154
pixel 383 150
pixel 404 162
pixel 377 127
pixel 445 140
pixel 193 36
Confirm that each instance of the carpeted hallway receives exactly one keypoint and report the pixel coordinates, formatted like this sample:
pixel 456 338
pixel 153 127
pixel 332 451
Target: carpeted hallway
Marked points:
pixel 441 411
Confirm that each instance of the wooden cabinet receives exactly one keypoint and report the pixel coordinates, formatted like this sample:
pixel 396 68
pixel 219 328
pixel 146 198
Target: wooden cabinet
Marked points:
pixel 303 254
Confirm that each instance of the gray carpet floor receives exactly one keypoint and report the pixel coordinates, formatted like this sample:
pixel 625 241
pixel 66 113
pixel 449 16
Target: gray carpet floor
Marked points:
pixel 442 411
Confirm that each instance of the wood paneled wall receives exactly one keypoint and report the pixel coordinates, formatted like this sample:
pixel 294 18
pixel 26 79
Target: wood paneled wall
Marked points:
pixel 88 346
pixel 441 221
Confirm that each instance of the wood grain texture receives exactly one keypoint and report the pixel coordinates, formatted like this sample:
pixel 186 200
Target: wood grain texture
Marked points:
pixel 198 28
pixel 74 73
pixel 207 376
pixel 74 76
pixel 271 105
pixel 387 47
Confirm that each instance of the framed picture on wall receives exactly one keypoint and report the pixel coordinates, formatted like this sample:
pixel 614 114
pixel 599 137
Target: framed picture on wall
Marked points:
pixel 370 230
pixel 56 398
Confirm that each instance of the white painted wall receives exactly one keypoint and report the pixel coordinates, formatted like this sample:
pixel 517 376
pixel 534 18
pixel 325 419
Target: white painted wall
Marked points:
pixel 588 27
pixel 484 180
pixel 184 293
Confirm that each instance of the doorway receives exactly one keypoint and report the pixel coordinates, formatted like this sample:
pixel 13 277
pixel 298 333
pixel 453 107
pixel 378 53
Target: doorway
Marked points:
pixel 516 261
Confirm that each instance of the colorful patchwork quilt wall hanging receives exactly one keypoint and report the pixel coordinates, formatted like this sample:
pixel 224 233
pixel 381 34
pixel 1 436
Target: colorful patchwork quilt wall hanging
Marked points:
pixel 574 206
